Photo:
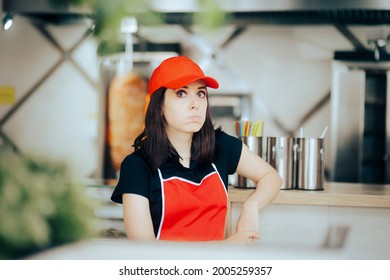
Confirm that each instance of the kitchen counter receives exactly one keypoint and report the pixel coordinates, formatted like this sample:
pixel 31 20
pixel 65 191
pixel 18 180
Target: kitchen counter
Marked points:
pixel 334 194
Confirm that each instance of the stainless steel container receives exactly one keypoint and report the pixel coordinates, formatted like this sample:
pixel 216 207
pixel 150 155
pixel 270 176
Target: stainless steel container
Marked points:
pixel 280 155
pixel 255 144
pixel 309 163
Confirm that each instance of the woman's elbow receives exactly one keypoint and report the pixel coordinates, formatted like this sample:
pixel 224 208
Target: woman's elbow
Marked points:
pixel 278 179
pixel 274 180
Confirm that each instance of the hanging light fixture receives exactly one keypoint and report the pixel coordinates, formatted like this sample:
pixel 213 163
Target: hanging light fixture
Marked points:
pixel 7 21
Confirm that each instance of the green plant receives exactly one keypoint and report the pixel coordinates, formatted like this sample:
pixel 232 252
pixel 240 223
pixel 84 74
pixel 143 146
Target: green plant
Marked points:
pixel 107 15
pixel 40 206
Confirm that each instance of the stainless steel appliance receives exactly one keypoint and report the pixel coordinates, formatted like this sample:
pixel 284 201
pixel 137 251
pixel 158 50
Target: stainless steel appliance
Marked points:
pixel 309 163
pixel 360 122
pixel 299 161
pixel 281 156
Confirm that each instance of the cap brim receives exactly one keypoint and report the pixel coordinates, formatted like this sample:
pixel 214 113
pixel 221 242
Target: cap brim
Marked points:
pixel 183 81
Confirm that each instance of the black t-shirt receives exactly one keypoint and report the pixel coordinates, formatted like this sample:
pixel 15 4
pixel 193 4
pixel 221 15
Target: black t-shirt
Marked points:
pixel 136 177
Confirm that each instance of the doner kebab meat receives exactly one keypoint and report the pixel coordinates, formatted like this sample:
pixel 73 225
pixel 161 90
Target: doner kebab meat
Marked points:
pixel 127 103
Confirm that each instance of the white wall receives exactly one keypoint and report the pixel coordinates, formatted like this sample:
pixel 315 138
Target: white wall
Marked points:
pixel 286 68
pixel 59 119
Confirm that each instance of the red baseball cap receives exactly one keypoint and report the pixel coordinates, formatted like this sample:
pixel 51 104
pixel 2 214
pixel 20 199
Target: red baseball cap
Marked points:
pixel 176 72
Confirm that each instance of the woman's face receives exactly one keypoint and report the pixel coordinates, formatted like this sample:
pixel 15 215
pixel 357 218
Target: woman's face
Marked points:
pixel 185 108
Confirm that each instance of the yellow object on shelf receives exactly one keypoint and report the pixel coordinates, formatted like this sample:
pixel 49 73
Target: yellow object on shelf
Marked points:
pixel 7 95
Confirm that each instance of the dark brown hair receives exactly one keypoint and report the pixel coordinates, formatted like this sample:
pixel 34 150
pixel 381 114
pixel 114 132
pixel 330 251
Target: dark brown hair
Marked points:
pixel 153 142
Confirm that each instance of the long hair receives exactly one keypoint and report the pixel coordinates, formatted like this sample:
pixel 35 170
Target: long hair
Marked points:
pixel 154 145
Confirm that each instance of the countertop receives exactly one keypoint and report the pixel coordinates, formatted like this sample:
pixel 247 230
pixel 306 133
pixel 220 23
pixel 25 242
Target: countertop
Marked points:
pixel 367 219
pixel 121 249
pixel 334 194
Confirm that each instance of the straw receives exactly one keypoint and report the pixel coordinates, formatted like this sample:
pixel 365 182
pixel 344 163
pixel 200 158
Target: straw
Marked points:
pixel 323 133
pixel 247 128
pixel 254 129
pixel 237 128
pixel 257 129
pixel 301 132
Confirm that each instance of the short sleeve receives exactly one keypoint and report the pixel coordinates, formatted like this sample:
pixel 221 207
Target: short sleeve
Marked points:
pixel 230 149
pixel 134 177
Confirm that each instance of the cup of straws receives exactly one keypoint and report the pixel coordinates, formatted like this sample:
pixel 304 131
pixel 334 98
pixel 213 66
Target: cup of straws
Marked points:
pixel 251 134
pixel 248 128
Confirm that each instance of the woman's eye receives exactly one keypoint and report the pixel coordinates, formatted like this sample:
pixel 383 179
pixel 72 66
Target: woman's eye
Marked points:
pixel 180 93
pixel 201 93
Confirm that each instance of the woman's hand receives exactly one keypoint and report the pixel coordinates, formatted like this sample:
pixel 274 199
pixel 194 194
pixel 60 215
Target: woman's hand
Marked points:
pixel 243 237
pixel 249 218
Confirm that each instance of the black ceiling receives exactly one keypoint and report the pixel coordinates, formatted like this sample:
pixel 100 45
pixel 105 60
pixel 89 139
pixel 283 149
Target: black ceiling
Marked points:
pixel 346 17
pixel 363 12
pixel 337 16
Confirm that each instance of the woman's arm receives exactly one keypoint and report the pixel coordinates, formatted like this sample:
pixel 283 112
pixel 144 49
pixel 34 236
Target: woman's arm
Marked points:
pixel 268 183
pixel 136 217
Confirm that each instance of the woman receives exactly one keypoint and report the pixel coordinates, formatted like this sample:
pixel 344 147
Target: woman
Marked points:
pixel 174 186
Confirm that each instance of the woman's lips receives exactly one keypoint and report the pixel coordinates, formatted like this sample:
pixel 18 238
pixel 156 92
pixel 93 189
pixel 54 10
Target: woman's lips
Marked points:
pixel 194 118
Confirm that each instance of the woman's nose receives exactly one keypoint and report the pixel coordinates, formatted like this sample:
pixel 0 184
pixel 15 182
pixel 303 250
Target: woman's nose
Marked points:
pixel 194 103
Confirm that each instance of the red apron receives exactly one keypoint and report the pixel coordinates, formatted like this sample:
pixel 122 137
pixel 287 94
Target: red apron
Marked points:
pixel 193 211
